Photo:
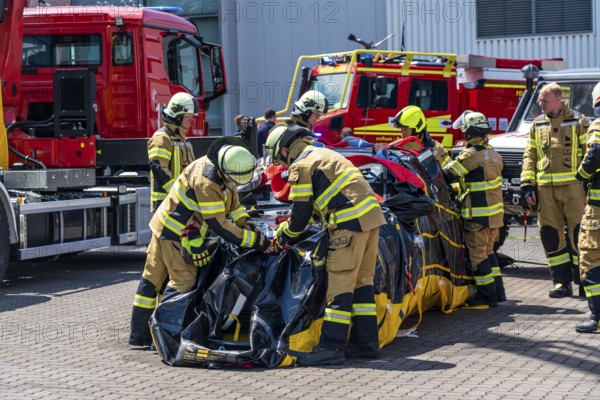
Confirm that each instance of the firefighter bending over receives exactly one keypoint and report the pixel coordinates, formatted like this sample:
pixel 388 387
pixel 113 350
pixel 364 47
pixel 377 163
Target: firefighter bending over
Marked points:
pixel 202 200
pixel 479 170
pixel 168 151
pixel 551 158
pixel 324 182
pixel 589 236
pixel 412 122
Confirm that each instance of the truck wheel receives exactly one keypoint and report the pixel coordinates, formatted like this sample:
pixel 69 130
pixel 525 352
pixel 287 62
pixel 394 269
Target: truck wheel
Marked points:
pixel 4 244
pixel 503 234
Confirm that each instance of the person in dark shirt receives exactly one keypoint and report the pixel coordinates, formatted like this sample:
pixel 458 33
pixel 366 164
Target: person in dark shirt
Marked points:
pixel 263 130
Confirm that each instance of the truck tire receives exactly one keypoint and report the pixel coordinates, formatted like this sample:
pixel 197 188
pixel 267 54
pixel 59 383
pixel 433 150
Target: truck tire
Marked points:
pixel 4 243
pixel 503 234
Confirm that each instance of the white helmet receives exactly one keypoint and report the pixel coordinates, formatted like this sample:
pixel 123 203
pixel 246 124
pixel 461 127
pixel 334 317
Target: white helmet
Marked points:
pixel 312 101
pixel 180 105
pixel 596 95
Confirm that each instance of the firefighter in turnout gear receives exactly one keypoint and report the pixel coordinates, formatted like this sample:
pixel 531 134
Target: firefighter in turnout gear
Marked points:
pixel 168 151
pixel 552 155
pixel 311 106
pixel 202 200
pixel 327 185
pixel 479 170
pixel 589 235
pixel 412 122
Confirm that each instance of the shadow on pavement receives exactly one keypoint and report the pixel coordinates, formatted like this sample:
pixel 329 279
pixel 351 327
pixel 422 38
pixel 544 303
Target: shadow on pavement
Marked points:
pixel 30 283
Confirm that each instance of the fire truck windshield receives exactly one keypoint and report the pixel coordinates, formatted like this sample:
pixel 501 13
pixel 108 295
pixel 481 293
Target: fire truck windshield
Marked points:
pixel 332 86
pixel 576 94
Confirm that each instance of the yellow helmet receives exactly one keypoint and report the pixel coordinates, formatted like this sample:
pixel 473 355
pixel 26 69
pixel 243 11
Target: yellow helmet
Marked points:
pixel 283 136
pixel 410 117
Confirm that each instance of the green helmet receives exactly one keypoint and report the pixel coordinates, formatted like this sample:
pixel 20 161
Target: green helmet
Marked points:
pixel 273 143
pixel 236 163
pixel 312 101
pixel 410 117
pixel 596 95
pixel 180 105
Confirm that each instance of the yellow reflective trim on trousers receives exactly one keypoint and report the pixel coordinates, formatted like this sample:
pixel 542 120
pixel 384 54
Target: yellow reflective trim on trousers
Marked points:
pixel 211 207
pixel 238 213
pixel 543 177
pixel 485 185
pixel 458 168
pixel 336 186
pixel 483 211
pixel 355 212
pixel 364 309
pixel 160 153
pixel 496 271
pixel 298 190
pixel 559 259
pixel 144 302
pixel 338 316
pixel 168 222
pixel 483 279
pixel 592 290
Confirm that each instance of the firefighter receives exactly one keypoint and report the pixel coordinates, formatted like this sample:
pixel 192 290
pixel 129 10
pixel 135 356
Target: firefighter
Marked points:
pixel 202 200
pixel 412 122
pixel 552 154
pixel 326 184
pixel 168 151
pixel 479 170
pixel 589 236
pixel 311 106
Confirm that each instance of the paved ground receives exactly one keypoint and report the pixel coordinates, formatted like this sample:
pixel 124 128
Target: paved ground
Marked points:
pixel 64 327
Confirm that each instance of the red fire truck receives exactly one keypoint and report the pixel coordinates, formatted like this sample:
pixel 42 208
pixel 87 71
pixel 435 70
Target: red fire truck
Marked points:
pixel 82 90
pixel 366 88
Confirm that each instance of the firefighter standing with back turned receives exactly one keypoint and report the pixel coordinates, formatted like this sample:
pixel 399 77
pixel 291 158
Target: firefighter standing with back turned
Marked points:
pixel 203 199
pixel 479 170
pixel 324 182
pixel 168 151
pixel 589 236
pixel 553 152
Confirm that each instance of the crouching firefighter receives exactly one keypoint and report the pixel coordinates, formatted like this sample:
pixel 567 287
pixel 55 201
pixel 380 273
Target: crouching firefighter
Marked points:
pixel 202 200
pixel 479 170
pixel 324 182
pixel 168 151
pixel 589 234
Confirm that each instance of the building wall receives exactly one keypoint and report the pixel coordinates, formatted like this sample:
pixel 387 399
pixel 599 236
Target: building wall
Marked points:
pixel 263 40
pixel 450 26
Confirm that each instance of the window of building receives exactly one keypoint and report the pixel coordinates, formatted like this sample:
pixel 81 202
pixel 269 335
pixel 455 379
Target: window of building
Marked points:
pixel 429 95
pixel 496 19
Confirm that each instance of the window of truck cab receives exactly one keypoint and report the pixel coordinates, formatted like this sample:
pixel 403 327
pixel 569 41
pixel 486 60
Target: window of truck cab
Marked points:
pixel 62 50
pixel 182 64
pixel 577 95
pixel 332 86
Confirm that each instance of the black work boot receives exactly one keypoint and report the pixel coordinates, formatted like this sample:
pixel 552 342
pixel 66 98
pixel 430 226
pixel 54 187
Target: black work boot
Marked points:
pixel 322 355
pixel 482 300
pixel 498 282
pixel 140 331
pixel 370 350
pixel 589 326
pixel 561 290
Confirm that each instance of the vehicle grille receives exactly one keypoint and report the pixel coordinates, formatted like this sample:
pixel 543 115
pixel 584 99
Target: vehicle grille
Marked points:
pixel 513 164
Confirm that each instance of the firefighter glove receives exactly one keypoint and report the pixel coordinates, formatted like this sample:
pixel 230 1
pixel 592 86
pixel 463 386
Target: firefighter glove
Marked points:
pixel 528 191
pixel 193 249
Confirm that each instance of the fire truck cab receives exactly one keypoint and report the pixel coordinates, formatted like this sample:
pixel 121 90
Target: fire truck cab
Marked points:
pixel 366 88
